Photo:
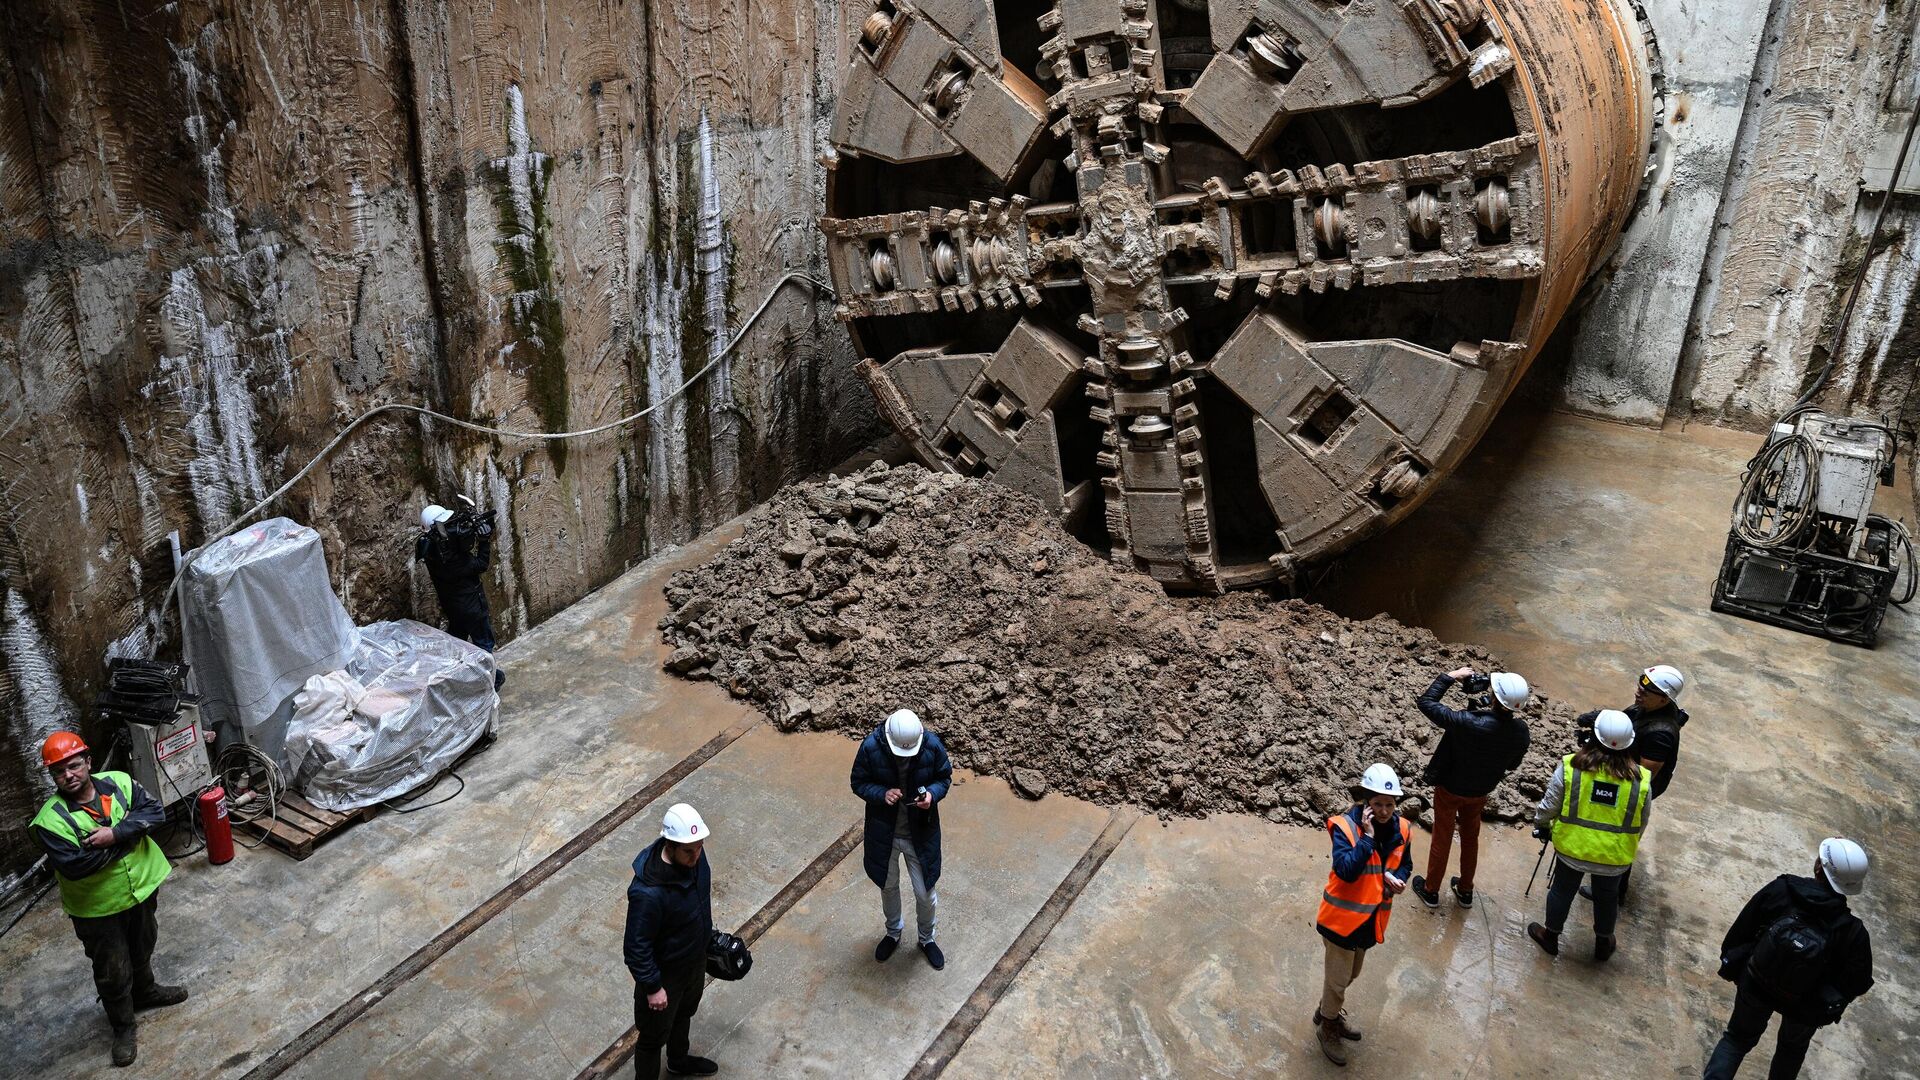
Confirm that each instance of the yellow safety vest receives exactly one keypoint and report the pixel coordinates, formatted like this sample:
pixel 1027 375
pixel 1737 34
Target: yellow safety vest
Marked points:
pixel 1601 816
pixel 121 884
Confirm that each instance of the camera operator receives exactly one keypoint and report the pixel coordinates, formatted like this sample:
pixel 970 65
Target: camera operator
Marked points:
pixel 1479 748
pixel 457 548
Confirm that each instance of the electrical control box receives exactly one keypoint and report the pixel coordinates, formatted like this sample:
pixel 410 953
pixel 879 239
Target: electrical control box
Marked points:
pixel 170 758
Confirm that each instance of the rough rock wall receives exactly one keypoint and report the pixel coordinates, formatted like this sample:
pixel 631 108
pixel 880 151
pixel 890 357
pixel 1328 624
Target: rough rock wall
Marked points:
pixel 230 228
pixel 1728 286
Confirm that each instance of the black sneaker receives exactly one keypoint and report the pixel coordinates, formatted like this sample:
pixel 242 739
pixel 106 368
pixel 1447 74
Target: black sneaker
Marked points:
pixel 691 1066
pixel 934 956
pixel 1603 947
pixel 1463 896
pixel 1431 898
pixel 884 950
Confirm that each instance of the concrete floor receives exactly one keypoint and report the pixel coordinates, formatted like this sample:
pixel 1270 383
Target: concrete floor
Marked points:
pixel 1579 550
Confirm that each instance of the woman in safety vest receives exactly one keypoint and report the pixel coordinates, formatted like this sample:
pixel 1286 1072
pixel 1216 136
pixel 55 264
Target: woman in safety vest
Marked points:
pixel 1372 857
pixel 1595 809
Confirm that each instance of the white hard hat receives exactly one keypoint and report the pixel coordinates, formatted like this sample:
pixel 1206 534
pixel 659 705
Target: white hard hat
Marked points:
pixel 1510 690
pixel 1381 780
pixel 1664 680
pixel 433 515
pixel 1845 863
pixel 1614 729
pixel 682 824
pixel 904 732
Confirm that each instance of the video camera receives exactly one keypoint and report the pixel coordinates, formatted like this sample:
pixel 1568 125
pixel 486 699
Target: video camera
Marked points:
pixel 470 521
pixel 1479 690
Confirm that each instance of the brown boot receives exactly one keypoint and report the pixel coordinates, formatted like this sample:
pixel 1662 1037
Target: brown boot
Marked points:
pixel 1331 1044
pixel 1340 1024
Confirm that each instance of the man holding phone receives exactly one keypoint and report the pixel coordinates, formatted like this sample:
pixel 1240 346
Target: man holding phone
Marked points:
pixel 902 772
pixel 1372 856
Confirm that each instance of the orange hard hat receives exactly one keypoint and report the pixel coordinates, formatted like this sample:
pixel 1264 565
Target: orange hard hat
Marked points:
pixel 60 746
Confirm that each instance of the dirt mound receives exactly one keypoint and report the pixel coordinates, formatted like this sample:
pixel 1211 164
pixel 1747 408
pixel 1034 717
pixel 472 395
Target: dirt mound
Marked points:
pixel 1040 662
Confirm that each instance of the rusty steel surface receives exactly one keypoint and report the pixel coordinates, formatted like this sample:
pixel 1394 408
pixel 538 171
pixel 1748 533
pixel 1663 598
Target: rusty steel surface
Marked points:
pixel 1227 284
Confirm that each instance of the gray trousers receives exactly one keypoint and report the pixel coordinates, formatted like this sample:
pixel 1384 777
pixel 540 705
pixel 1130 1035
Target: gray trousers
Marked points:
pixel 923 899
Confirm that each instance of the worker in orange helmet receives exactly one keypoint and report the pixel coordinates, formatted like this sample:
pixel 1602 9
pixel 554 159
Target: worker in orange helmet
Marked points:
pixel 94 830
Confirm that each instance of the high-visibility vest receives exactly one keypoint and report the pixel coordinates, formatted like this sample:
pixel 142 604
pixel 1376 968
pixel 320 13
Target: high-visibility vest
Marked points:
pixel 1601 816
pixel 1345 906
pixel 121 884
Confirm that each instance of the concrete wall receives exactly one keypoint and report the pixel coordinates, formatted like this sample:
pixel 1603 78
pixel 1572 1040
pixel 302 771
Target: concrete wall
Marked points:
pixel 230 227
pixel 1727 288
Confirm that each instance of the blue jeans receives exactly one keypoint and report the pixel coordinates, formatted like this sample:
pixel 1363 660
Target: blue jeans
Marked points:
pixel 1744 1028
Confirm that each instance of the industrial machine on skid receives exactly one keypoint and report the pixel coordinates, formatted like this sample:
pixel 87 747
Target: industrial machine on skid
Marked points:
pixel 1806 551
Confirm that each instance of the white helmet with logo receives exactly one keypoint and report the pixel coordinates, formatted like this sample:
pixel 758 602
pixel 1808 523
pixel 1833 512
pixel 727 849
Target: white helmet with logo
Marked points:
pixel 1614 729
pixel 904 732
pixel 1845 864
pixel 682 824
pixel 1381 780
pixel 1664 680
pixel 433 515
pixel 1510 690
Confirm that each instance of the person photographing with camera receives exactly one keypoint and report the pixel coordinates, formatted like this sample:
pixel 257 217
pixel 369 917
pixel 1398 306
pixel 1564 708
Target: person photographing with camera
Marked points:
pixel 1795 950
pixel 1479 747
pixel 1372 856
pixel 457 548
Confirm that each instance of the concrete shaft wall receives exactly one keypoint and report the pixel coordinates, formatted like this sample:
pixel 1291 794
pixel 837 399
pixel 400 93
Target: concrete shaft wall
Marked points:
pixel 1726 291
pixel 226 229
pixel 229 228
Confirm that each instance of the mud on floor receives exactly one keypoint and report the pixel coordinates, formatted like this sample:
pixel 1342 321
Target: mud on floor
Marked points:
pixel 1040 662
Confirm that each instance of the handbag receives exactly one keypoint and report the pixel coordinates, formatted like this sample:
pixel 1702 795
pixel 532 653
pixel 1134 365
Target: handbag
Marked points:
pixel 728 958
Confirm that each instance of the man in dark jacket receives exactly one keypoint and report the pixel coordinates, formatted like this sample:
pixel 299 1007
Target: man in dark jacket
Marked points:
pixel 1479 748
pixel 901 771
pixel 457 549
pixel 669 922
pixel 1657 719
pixel 1766 956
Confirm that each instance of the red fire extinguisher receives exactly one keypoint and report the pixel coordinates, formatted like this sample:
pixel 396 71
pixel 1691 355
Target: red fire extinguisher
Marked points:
pixel 213 822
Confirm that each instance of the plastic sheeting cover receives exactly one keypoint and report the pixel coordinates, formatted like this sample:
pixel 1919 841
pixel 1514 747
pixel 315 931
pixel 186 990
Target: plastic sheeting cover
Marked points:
pixel 261 618
pixel 409 703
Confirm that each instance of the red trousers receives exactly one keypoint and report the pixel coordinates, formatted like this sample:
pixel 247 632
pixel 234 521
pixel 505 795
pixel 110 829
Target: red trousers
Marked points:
pixel 1448 809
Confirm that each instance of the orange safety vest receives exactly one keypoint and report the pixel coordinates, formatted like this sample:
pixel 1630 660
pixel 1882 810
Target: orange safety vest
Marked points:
pixel 1345 906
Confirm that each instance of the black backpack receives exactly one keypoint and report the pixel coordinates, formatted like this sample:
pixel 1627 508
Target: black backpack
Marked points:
pixel 1790 959
pixel 727 957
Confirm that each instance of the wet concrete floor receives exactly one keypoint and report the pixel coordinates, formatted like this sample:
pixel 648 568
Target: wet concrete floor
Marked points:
pixel 1580 551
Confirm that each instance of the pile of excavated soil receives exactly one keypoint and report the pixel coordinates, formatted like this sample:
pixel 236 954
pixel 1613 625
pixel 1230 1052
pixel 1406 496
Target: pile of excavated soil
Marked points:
pixel 1038 661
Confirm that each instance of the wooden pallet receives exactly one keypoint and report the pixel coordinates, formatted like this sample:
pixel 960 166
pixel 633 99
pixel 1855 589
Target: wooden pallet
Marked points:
pixel 299 825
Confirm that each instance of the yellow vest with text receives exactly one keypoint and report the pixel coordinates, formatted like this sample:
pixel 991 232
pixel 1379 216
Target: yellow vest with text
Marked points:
pixel 127 880
pixel 1601 815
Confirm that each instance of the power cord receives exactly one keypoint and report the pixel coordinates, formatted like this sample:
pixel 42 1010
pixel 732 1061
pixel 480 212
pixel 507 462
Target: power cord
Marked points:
pixel 393 804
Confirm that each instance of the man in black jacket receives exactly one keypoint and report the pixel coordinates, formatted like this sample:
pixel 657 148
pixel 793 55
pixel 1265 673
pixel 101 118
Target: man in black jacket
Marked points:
pixel 902 772
pixel 1795 950
pixel 457 549
pixel 1479 748
pixel 669 922
pixel 1657 719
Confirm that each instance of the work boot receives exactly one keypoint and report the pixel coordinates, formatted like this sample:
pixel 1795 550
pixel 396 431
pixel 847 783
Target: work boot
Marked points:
pixel 1339 1024
pixel 934 956
pixel 1331 1044
pixel 884 950
pixel 1602 948
pixel 159 997
pixel 1463 896
pixel 125 1046
pixel 691 1066
pixel 1429 897
pixel 1548 941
